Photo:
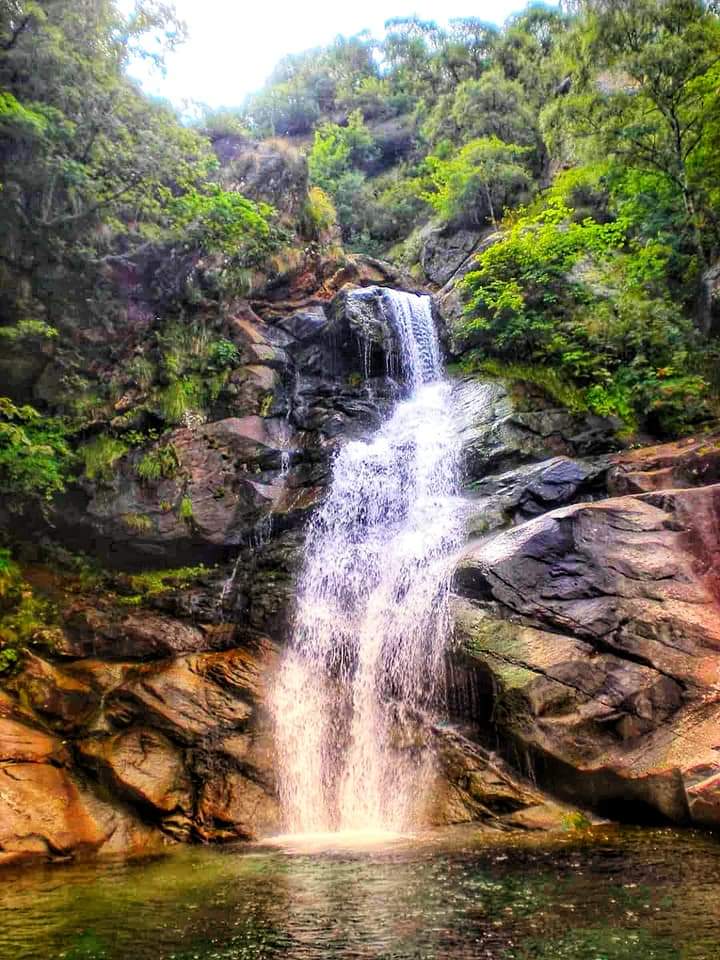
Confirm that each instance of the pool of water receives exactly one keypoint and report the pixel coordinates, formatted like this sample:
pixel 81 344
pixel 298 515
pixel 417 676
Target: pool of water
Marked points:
pixel 604 894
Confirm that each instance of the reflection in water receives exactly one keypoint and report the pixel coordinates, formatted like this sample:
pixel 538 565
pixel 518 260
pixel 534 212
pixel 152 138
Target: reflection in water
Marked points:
pixel 605 895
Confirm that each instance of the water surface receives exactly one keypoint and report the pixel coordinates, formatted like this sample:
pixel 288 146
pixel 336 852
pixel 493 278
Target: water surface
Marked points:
pixel 607 894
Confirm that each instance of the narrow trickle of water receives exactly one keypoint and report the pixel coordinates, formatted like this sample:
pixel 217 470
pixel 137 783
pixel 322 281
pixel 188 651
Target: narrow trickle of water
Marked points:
pixel 362 674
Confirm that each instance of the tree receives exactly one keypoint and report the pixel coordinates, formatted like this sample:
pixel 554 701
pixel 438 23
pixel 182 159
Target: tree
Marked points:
pixel 473 185
pixel 655 103
pixel 90 168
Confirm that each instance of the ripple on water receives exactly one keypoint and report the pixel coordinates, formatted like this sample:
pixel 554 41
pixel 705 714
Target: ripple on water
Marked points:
pixel 606 894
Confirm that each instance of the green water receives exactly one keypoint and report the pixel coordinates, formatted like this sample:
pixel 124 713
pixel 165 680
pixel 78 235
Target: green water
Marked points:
pixel 607 894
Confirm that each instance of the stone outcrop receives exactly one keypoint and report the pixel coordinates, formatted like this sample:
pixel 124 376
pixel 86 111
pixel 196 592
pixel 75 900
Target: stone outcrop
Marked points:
pixel 594 631
pixel 499 433
pixel 141 754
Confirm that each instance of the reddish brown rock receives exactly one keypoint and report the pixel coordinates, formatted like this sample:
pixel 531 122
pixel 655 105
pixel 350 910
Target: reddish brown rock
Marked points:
pixel 21 743
pixel 44 814
pixel 233 806
pixel 66 702
pixel 191 697
pixel 143 766
pixel 691 462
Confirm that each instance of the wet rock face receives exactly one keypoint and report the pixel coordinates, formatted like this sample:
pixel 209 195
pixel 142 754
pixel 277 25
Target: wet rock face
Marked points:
pixel 595 632
pixel 143 754
pixel 312 377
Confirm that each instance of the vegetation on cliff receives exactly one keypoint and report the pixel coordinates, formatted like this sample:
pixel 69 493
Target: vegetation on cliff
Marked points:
pixel 575 147
pixel 592 128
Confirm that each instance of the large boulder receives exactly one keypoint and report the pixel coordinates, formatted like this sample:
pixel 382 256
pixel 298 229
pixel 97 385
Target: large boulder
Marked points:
pixel 529 491
pixel 47 811
pixel 595 634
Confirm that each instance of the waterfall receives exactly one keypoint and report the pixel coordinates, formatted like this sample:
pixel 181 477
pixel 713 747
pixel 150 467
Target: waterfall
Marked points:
pixel 362 675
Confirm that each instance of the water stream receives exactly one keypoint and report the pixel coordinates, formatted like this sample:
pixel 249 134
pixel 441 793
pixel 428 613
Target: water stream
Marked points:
pixel 363 668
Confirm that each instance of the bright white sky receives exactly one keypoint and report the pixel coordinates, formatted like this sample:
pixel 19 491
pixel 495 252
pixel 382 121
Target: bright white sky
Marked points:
pixel 234 44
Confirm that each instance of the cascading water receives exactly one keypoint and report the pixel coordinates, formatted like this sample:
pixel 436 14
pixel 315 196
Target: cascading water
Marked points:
pixel 362 671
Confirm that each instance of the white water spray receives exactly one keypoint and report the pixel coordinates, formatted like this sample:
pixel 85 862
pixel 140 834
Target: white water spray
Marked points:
pixel 364 666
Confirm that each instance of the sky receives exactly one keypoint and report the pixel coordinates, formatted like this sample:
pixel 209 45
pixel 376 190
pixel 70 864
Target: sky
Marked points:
pixel 234 44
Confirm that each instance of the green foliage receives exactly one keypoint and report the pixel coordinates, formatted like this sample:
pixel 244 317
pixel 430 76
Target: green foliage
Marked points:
pixel 222 354
pixel 319 215
pixel 194 367
pixel 23 614
pixel 137 523
pixel 180 398
pixel 647 96
pixel 142 372
pixel 35 456
pixel 92 171
pixel 582 299
pixel 9 657
pixel 9 573
pixel 222 221
pixel 551 381
pixel 154 583
pixel 185 510
pixel 24 332
pixel 474 184
pixel 100 456
pixel 160 463
pixel 336 162
pixel 575 820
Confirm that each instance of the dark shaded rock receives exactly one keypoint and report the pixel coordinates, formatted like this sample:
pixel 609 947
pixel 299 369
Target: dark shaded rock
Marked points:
pixel 474 786
pixel 529 491
pixel 444 252
pixel 303 324
pixel 116 633
pixel 499 436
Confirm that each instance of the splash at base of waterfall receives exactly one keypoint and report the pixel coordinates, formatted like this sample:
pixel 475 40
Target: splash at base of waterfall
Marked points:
pixel 331 841
pixel 360 681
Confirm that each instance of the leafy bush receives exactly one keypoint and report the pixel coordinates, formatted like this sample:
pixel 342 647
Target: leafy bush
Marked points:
pixel 473 185
pixel 581 298
pixel 161 463
pixel 180 398
pixel 25 331
pixel 185 510
pixel 137 523
pixel 154 583
pixel 222 354
pixel 319 214
pixel 224 221
pixel 100 456
pixel 35 456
